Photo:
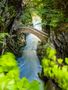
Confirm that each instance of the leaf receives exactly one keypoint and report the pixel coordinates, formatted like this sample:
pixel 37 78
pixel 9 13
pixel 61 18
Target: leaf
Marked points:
pixel 60 61
pixel 8 59
pixel 66 60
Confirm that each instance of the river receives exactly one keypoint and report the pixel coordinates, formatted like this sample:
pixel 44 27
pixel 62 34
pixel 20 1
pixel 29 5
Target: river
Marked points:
pixel 29 63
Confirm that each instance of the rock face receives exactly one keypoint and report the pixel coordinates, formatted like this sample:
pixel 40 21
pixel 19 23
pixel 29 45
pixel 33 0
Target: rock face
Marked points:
pixel 10 10
pixel 60 40
pixel 40 51
pixel 51 86
pixel 14 44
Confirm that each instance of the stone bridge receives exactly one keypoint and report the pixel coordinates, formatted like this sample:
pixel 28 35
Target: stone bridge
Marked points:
pixel 40 34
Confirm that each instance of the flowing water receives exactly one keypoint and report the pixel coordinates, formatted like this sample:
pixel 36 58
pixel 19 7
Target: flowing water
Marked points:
pixel 29 63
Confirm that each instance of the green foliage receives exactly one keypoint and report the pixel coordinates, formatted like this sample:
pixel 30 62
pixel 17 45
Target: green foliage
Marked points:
pixel 9 75
pixel 55 68
pixel 1 21
pixel 35 4
pixel 60 60
pixel 26 85
pixel 26 17
pixel 23 84
pixel 3 40
pixel 51 15
pixel 66 60
pixel 55 18
pixel 2 36
pixel 31 6
pixel 8 64
pixel 47 9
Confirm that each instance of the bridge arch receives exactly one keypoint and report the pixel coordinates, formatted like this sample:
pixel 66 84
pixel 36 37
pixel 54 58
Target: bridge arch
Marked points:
pixel 40 34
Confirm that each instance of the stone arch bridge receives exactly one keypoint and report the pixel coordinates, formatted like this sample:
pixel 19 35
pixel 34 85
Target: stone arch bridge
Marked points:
pixel 40 34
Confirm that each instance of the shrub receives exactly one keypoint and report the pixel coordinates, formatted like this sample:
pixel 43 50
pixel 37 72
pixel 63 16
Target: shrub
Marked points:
pixel 56 69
